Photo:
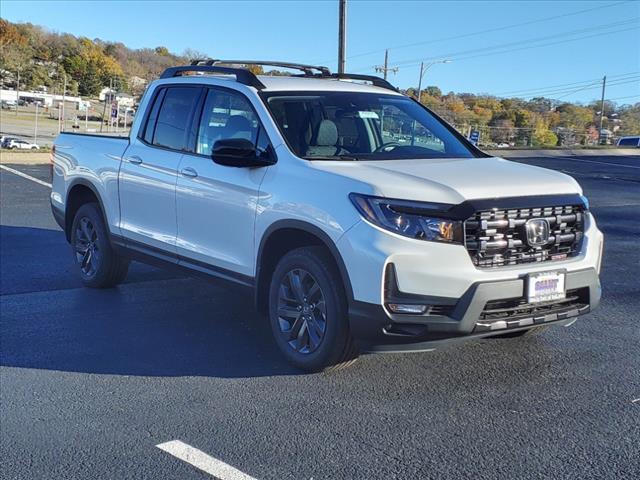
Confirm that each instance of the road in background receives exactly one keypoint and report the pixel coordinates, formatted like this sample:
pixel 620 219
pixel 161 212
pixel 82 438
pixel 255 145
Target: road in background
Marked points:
pixel 92 380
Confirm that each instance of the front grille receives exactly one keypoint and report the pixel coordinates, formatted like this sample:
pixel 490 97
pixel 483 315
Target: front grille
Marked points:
pixel 516 312
pixel 497 237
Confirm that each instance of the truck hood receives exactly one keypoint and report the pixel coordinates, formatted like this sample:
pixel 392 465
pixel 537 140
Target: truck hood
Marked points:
pixel 453 180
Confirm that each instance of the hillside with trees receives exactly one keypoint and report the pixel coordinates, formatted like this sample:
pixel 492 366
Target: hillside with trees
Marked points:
pixel 44 59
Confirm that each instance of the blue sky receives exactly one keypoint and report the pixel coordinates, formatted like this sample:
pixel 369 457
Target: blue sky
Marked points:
pixel 577 42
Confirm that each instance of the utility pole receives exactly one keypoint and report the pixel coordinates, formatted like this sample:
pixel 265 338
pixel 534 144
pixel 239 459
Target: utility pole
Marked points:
pixel 17 92
pixel 342 35
pixel 384 69
pixel 386 62
pixel 35 133
pixel 604 84
pixel 104 108
pixel 64 100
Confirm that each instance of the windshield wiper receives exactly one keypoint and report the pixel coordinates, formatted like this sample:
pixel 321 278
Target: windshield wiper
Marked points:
pixel 349 158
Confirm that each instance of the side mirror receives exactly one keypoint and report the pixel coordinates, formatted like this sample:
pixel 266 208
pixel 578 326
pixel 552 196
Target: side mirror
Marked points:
pixel 239 152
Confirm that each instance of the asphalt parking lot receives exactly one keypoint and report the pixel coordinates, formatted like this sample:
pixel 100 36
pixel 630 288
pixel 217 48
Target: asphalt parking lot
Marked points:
pixel 92 381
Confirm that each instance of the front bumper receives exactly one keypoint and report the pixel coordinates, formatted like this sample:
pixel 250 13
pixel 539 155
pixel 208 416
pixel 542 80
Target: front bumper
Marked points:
pixel 463 295
pixel 468 317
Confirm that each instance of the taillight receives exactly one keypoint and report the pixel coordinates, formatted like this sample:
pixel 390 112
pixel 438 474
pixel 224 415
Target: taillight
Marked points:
pixel 51 157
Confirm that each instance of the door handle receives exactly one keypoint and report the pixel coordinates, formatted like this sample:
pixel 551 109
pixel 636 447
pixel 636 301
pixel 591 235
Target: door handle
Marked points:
pixel 136 160
pixel 189 172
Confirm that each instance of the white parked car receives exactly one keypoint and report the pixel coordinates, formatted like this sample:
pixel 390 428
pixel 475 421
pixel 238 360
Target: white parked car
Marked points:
pixel 21 145
pixel 349 241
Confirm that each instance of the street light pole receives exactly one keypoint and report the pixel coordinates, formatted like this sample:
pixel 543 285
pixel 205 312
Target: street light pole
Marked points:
pixel 604 84
pixel 420 80
pixel 423 70
pixel 342 35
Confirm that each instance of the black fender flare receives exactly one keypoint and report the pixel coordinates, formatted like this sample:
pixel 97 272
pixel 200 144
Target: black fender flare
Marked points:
pixel 85 183
pixel 316 232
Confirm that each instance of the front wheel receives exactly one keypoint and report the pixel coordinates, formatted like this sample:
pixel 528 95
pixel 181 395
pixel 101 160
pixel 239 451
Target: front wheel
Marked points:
pixel 100 266
pixel 308 311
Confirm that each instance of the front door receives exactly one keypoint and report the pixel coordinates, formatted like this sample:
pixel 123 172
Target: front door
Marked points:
pixel 216 205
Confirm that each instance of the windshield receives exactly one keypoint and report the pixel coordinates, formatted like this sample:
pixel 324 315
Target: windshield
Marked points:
pixel 361 126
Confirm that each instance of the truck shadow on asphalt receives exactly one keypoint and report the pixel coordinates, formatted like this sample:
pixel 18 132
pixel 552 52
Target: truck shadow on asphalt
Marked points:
pixel 156 324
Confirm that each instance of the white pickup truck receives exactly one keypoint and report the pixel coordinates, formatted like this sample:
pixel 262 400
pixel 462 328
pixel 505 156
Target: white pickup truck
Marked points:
pixel 361 221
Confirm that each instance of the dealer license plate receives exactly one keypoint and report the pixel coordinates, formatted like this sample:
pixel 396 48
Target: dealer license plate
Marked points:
pixel 545 286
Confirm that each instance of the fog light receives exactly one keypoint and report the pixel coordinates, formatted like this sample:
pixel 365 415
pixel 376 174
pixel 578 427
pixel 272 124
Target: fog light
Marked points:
pixel 407 308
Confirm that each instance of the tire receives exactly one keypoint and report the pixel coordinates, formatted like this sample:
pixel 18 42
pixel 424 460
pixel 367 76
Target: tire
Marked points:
pixel 99 265
pixel 316 310
pixel 523 333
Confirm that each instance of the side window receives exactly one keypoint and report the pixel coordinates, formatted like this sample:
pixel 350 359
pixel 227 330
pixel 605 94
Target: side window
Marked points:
pixel 629 142
pixel 153 116
pixel 174 117
pixel 226 115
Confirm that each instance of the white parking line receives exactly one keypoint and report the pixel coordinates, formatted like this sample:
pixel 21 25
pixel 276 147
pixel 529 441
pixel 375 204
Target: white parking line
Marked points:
pixel 24 175
pixel 202 461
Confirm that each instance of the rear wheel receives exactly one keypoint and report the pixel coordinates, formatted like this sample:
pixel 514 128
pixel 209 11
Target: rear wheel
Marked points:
pixel 100 266
pixel 308 311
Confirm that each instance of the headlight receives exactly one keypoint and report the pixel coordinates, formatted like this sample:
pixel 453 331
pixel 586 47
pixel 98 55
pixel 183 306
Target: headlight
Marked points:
pixel 411 219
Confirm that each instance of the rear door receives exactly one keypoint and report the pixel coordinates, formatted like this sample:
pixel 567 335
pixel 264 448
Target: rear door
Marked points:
pixel 148 175
pixel 216 204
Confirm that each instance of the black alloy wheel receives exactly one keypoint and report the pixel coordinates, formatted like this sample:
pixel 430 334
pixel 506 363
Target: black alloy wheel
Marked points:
pixel 302 311
pixel 86 247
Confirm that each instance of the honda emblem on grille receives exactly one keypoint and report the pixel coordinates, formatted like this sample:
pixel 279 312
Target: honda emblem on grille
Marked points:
pixel 537 232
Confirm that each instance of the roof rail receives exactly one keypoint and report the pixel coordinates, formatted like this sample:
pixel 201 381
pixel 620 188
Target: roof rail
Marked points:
pixel 242 75
pixel 307 69
pixel 246 77
pixel 375 81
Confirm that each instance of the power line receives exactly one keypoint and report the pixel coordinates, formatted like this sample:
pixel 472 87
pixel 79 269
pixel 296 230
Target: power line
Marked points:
pixel 621 98
pixel 456 58
pixel 581 82
pixel 467 53
pixel 620 81
pixel 490 30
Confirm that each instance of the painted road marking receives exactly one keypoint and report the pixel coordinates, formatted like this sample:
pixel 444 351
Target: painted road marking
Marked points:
pixel 636 400
pixel 202 461
pixel 24 175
